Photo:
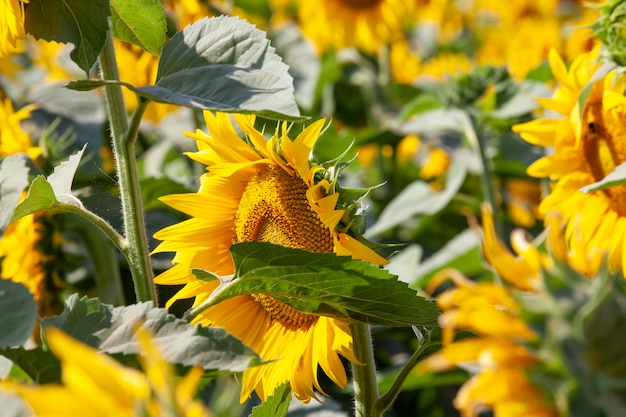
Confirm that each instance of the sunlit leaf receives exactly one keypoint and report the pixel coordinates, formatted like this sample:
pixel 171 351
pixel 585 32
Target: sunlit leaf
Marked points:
pixel 325 284
pixel 61 179
pixel 82 23
pixel 13 406
pixel 111 329
pixel 18 310
pixel 276 405
pixel 40 198
pixel 13 181
pixel 140 22
pixel 614 178
pixel 419 199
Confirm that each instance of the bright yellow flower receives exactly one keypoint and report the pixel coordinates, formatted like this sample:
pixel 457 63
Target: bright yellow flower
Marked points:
pixel 497 360
pixel 11 26
pixel 436 164
pixel 12 138
pixel 579 39
pixel 265 191
pixel 364 24
pixel 186 12
pixel 22 261
pixel 95 385
pixel 588 144
pixel 522 197
pixel 405 64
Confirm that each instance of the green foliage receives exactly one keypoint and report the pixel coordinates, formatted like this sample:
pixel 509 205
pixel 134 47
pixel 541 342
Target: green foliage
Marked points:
pixel 611 29
pixel 140 22
pixel 18 310
pixel 276 405
pixel 13 181
pixel 110 329
pixel 82 23
pixel 39 364
pixel 324 284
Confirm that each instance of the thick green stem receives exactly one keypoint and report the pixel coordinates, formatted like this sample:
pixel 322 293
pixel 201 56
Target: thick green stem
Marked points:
pixel 123 140
pixel 385 401
pixel 364 376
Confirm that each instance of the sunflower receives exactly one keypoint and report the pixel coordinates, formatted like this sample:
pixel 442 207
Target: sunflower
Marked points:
pixel 11 25
pixel 13 139
pixel 265 191
pixel 364 24
pixel 588 144
pixel 94 384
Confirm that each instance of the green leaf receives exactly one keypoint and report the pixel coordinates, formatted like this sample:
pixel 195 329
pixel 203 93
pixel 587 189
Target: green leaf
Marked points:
pixel 419 199
pixel 82 23
pixel 140 22
pixel 13 181
pixel 324 284
pixel 614 178
pixel 39 364
pixel 55 193
pixel 276 405
pixel 111 329
pixel 18 310
pixel 40 198
pixel 224 64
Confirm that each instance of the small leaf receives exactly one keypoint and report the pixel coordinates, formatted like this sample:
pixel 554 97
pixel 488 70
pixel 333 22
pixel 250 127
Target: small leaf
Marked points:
pixel 13 181
pixel 111 329
pixel 275 406
pixel 82 23
pixel 88 85
pixel 140 22
pixel 18 310
pixel 40 365
pixel 614 178
pixel 419 199
pixel 435 120
pixel 325 284
pixel 40 198
pixel 61 179
pixel 223 64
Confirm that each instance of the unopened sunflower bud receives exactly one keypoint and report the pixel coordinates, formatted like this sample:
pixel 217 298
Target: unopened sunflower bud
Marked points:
pixel 611 29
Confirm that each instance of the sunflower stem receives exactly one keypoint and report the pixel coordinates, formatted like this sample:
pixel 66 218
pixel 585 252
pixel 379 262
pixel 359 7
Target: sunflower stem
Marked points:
pixel 385 400
pixel 123 142
pixel 364 376
pixel 473 134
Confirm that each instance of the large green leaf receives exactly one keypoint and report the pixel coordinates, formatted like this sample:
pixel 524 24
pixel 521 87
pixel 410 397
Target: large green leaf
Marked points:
pixel 82 23
pixel 324 284
pixel 18 310
pixel 219 64
pixel 13 181
pixel 111 329
pixel 140 22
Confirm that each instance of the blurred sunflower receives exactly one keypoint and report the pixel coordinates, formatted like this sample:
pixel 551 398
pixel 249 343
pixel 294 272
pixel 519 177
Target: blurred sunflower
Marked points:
pixel 11 25
pixel 94 384
pixel 496 358
pixel 13 139
pixel 265 191
pixel 364 24
pixel 588 144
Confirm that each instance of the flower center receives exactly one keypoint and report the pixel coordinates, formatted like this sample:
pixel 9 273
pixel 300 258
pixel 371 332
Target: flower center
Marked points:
pixel 274 208
pixel 360 4
pixel 604 148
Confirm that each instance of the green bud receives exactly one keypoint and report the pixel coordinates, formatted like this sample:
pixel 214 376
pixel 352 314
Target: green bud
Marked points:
pixel 611 30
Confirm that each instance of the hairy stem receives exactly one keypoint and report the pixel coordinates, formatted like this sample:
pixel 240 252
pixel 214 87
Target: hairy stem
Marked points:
pixel 364 376
pixel 123 139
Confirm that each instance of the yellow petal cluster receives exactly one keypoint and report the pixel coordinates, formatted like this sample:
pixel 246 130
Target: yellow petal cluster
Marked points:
pixel 11 26
pixel 95 385
pixel 496 358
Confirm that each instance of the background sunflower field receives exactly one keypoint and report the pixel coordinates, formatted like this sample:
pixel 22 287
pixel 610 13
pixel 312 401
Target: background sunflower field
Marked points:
pixel 312 208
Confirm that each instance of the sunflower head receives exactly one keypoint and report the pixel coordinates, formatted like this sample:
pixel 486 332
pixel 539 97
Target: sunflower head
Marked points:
pixel 266 189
